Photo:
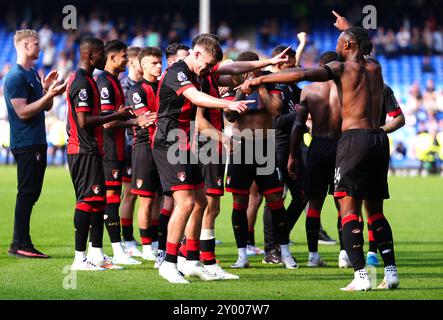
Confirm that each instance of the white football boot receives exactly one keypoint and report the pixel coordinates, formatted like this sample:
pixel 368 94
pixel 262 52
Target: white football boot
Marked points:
pixel 343 260
pixel 195 269
pixel 390 281
pixel 161 256
pixel 85 265
pixel 361 282
pixel 148 253
pixel 132 250
pixel 221 274
pixel 168 270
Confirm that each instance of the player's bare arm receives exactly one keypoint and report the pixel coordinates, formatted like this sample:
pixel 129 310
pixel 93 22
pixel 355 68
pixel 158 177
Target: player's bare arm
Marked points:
pixel 87 120
pixel 394 124
pixel 318 74
pixel 272 101
pixel 240 67
pixel 303 40
pixel 202 99
pixel 341 23
pixel 143 120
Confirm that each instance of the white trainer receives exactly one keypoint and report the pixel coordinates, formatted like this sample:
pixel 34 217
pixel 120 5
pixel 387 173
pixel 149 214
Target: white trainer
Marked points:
pixel 148 253
pixel 108 264
pixel 132 250
pixel 316 262
pixel 289 262
pixel 390 281
pixel 240 263
pixel 161 256
pixel 125 260
pixel 253 250
pixel 343 260
pixel 85 265
pixel 180 263
pixel 168 270
pixel 196 269
pixel 221 274
pixel 361 282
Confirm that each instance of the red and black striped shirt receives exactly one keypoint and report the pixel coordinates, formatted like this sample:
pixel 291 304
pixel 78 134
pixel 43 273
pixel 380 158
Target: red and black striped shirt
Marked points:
pixel 83 96
pixel 175 112
pixel 111 99
pixel 141 98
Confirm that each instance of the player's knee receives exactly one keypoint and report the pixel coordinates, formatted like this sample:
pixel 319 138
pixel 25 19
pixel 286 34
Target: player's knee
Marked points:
pixel 114 192
pixel 213 209
pixel 186 205
pixel 200 204
pixel 241 199
pixel 273 197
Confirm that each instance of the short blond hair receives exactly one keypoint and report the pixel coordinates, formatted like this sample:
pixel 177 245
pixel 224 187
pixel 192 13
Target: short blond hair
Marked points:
pixel 24 34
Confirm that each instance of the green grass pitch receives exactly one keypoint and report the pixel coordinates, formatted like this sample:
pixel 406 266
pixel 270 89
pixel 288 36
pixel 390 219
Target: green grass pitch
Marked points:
pixel 415 212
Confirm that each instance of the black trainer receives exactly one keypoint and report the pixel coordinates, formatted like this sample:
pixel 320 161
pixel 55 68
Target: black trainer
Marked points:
pixel 324 238
pixel 29 252
pixel 272 257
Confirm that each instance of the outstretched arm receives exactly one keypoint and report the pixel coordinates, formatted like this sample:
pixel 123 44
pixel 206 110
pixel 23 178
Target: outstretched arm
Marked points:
pixel 202 99
pixel 332 71
pixel 342 23
pixel 240 67
pixel 302 38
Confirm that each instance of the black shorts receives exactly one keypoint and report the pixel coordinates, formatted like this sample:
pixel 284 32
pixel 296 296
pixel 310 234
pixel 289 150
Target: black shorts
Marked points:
pixel 320 167
pixel 245 167
pixel 113 174
pixel 145 180
pixel 362 164
pixel 213 174
pixel 178 174
pixel 87 177
pixel 127 165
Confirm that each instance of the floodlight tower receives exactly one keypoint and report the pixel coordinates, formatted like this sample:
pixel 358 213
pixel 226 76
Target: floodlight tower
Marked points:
pixel 205 16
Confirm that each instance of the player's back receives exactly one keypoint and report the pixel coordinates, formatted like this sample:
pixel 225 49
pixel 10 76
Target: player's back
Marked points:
pixel 325 109
pixel 362 90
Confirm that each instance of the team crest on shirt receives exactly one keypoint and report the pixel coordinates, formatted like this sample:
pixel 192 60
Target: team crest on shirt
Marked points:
pixel 181 176
pixel 104 93
pixel 96 189
pixel 219 181
pixel 181 76
pixel 115 174
pixel 228 180
pixel 136 98
pixel 139 183
pixel 83 95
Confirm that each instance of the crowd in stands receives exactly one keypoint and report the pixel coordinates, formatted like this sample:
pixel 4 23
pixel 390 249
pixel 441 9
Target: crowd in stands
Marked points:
pixel 420 141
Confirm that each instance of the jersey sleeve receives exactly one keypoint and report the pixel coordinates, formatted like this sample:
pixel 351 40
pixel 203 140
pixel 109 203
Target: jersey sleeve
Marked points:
pixel 273 88
pixel 16 85
pixel 137 100
pixel 107 95
pixel 178 80
pixel 82 96
pixel 390 103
